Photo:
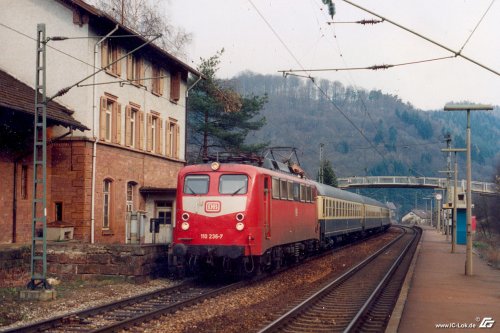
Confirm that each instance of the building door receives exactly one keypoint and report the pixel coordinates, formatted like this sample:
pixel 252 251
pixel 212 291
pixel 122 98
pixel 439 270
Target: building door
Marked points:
pixel 162 233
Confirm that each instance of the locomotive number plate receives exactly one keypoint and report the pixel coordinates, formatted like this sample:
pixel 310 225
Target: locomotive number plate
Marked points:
pixel 211 236
pixel 212 206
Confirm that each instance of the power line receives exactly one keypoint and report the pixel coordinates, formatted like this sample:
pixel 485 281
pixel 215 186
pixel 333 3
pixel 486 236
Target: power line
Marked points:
pixel 477 25
pixel 317 86
pixel 374 67
pixel 456 53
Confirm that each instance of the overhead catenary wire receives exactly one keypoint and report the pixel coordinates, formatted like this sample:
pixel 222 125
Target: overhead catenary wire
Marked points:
pixel 351 79
pixel 477 25
pixel 455 53
pixel 84 62
pixel 374 67
pixel 317 86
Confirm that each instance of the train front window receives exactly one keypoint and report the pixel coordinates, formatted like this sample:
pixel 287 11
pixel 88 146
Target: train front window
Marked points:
pixel 233 184
pixel 196 184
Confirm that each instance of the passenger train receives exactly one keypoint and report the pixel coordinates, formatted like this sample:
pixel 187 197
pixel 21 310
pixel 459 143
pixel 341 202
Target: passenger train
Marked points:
pixel 242 219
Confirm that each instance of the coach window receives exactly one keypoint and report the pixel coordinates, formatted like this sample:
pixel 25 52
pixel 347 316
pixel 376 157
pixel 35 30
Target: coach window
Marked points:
pixel 302 193
pixel 233 184
pixel 290 190
pixel 309 194
pixel 296 192
pixel 283 189
pixel 196 184
pixel 276 188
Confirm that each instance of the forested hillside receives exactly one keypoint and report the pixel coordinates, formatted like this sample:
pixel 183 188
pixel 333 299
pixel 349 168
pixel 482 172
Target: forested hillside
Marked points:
pixel 366 132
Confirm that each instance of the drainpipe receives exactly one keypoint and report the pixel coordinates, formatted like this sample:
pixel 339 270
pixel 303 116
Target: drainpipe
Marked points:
pixel 96 138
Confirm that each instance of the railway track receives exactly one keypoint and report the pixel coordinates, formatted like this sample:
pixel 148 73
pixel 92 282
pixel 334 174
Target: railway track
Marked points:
pixel 131 311
pixel 359 300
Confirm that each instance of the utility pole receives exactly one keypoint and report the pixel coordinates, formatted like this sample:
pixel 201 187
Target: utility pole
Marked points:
pixel 448 181
pixel 321 172
pixel 468 108
pixel 39 200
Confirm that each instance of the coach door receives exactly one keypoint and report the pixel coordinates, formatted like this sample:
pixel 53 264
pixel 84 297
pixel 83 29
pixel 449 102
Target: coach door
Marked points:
pixel 267 207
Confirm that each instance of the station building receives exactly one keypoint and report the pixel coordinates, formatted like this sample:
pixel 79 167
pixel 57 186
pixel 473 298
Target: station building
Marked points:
pixel 116 141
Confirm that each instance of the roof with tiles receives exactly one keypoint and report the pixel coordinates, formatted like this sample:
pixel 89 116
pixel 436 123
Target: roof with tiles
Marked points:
pixel 18 96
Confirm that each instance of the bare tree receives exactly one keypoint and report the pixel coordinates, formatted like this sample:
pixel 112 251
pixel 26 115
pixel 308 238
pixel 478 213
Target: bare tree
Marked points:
pixel 148 17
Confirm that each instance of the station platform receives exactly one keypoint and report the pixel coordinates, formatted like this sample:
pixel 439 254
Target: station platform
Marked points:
pixel 438 296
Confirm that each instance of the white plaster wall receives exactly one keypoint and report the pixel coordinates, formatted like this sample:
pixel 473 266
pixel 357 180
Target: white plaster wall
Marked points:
pixel 18 56
pixel 70 61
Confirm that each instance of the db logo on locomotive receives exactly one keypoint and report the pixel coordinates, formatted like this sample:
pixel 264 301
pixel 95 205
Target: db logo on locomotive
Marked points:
pixel 212 206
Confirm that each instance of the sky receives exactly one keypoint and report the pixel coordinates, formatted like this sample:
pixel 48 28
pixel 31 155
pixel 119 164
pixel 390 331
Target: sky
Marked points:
pixel 266 36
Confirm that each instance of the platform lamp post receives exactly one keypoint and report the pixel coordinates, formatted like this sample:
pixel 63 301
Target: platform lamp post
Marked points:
pixel 468 108
pixel 438 198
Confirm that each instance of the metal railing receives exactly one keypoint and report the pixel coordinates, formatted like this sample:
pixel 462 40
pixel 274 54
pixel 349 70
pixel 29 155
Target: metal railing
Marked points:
pixel 413 182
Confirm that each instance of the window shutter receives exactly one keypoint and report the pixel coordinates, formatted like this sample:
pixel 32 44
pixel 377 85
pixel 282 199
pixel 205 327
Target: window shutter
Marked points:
pixel 168 147
pixel 177 146
pixel 149 141
pixel 119 63
pixel 161 81
pixel 159 129
pixel 142 71
pixel 175 86
pixel 118 123
pixel 130 73
pixel 102 119
pixel 140 130
pixel 104 54
pixel 128 135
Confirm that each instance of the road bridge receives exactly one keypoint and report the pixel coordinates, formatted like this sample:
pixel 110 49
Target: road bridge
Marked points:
pixel 412 182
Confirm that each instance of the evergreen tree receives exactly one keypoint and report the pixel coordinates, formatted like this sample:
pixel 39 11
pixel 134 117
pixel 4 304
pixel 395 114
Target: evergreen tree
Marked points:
pixel 219 118
pixel 329 176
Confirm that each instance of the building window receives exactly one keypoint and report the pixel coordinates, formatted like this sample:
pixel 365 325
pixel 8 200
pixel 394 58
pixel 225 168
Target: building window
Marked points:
pixel 154 128
pixel 175 87
pixel 135 69
pixel 157 81
pixel 108 112
pixel 110 53
pixel 134 126
pixel 58 211
pixel 106 204
pixel 24 182
pixel 110 126
pixel 130 196
pixel 172 138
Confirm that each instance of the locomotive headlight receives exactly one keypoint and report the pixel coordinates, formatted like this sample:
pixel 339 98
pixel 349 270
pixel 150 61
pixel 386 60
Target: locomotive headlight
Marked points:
pixel 185 216
pixel 240 217
pixel 240 226
pixel 215 166
pixel 185 226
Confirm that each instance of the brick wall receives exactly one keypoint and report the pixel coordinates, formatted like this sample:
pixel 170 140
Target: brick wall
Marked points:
pixel 123 166
pixel 132 262
pixel 69 181
pixel 85 261
pixel 6 197
pixel 72 184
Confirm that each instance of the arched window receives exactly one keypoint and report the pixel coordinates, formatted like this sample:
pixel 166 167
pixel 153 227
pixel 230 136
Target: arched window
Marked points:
pixel 130 196
pixel 106 203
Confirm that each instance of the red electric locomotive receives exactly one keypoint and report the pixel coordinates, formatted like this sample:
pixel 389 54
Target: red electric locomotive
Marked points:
pixel 238 218
pixel 241 218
